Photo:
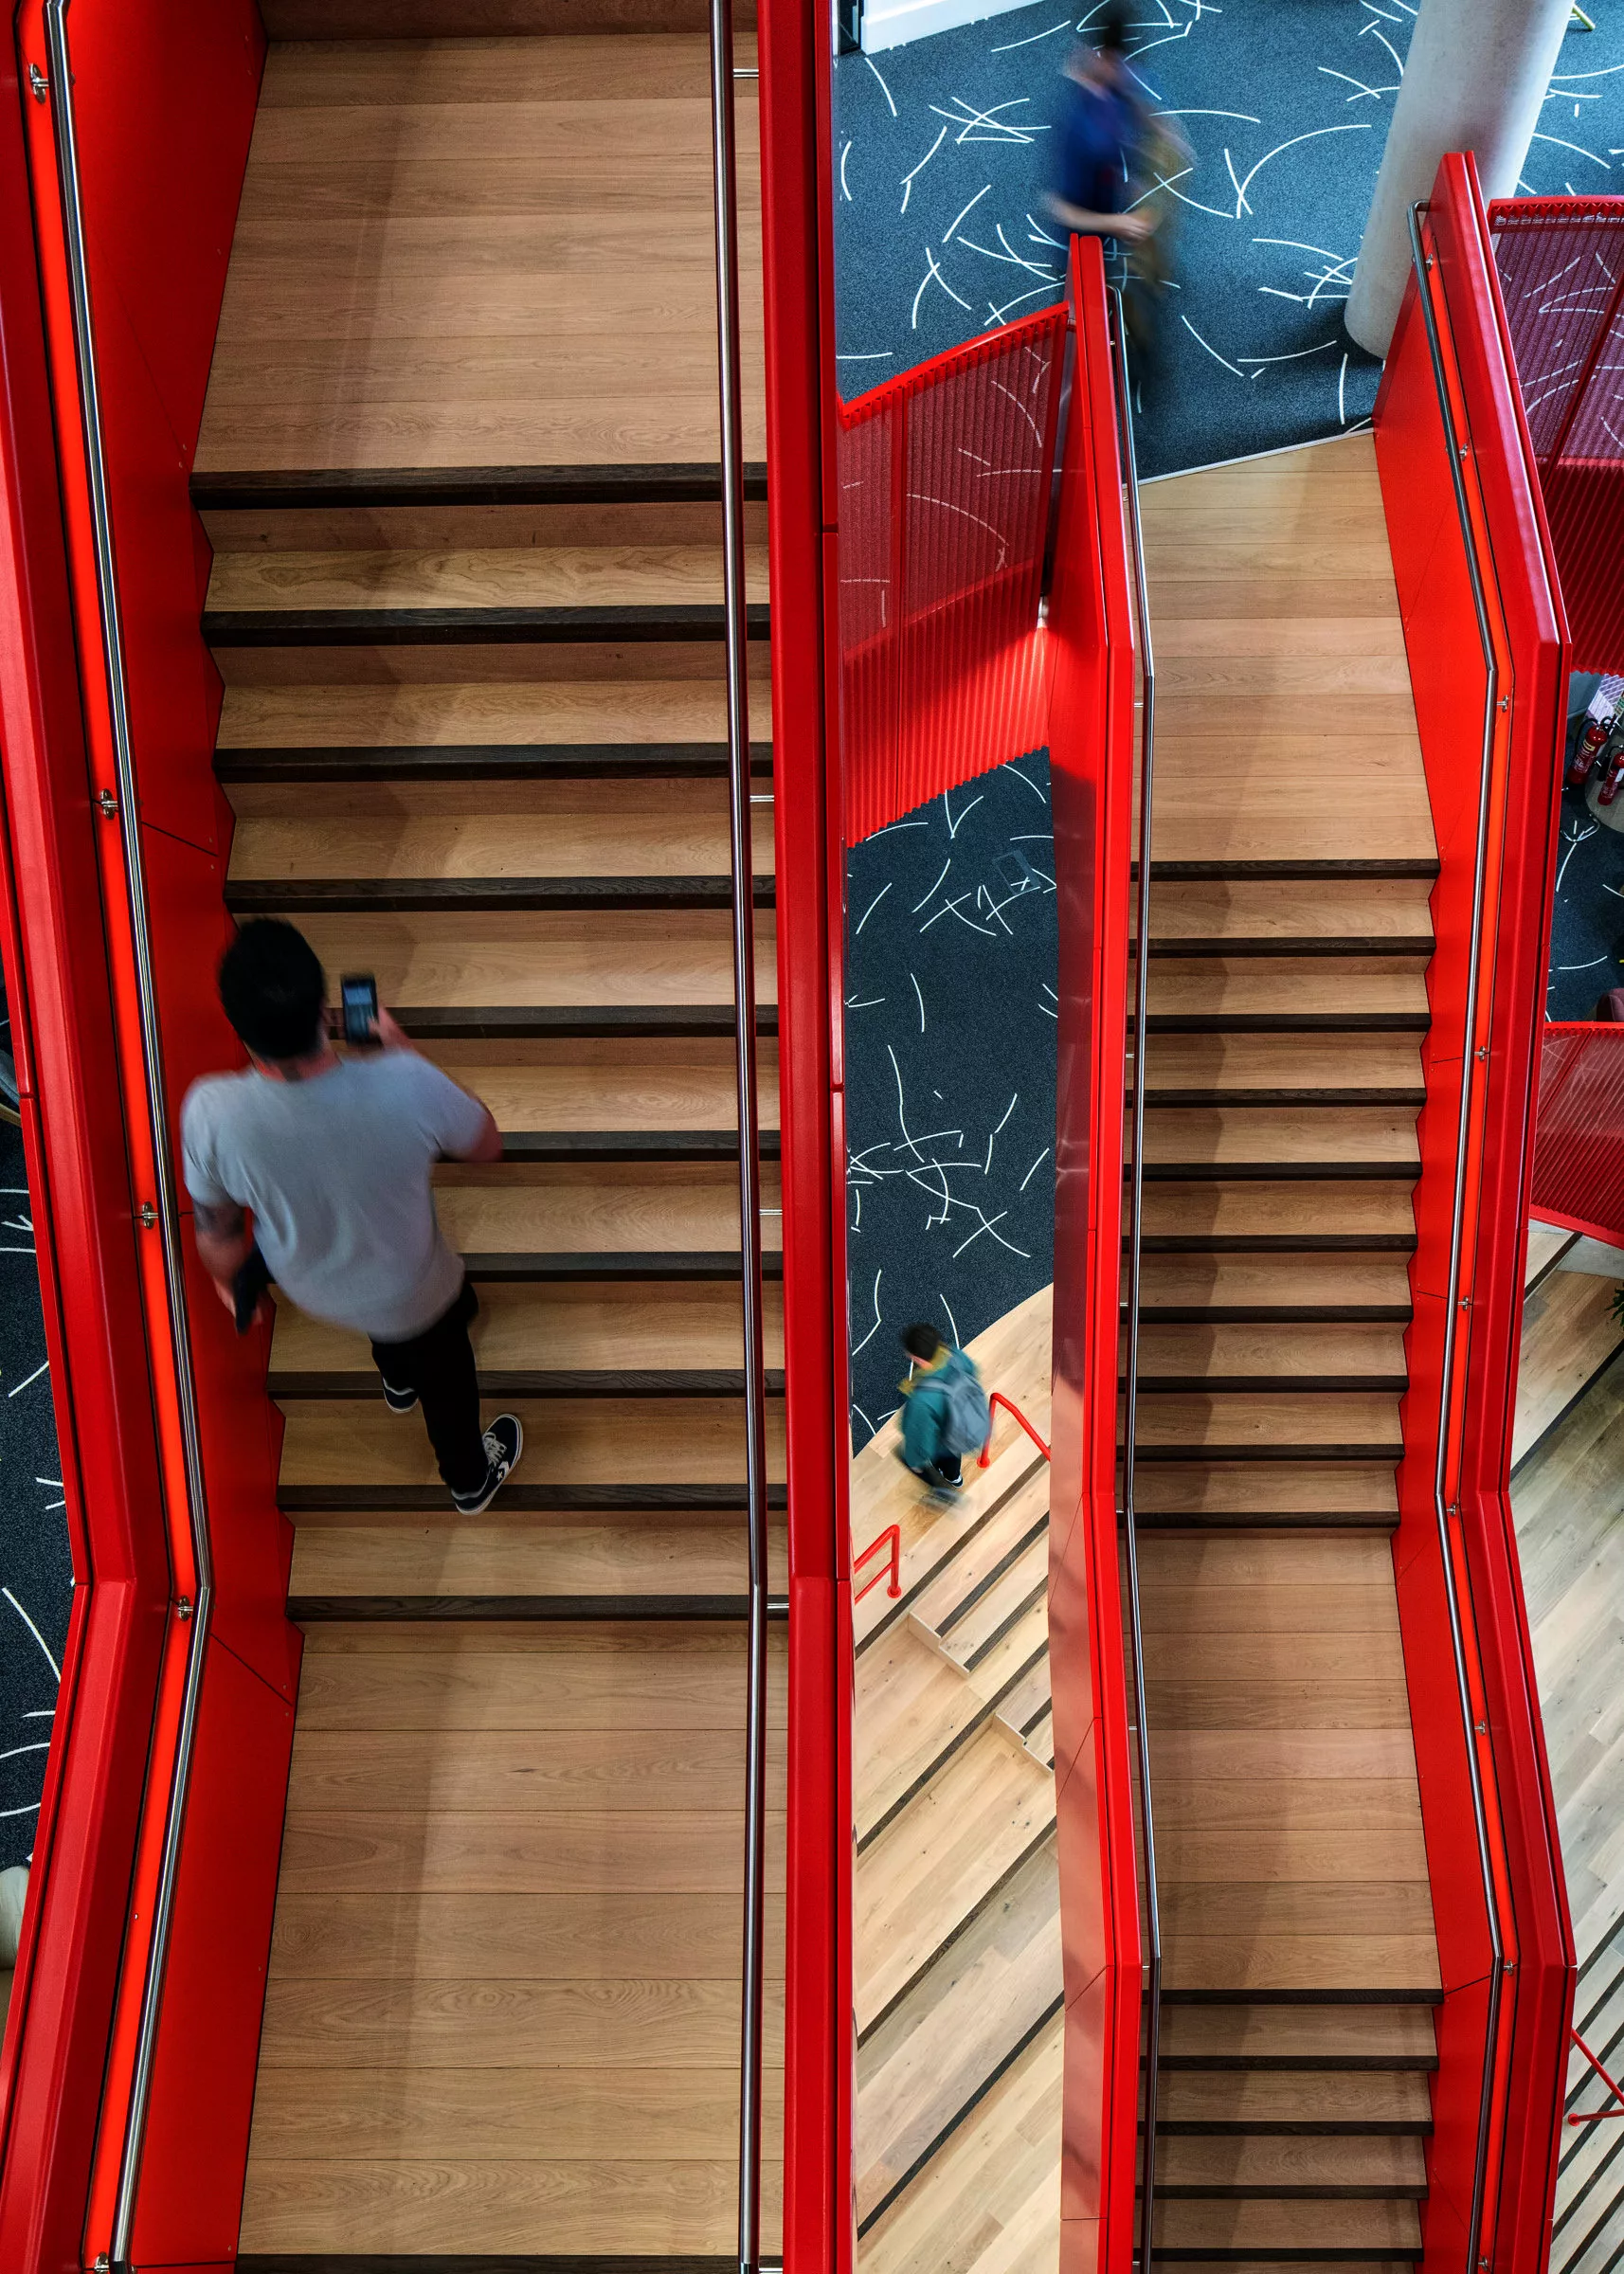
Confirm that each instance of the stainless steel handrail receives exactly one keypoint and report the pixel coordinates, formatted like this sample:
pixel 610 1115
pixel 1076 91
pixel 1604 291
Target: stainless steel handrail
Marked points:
pixel 1454 1303
pixel 1152 1985
pixel 61 95
pixel 731 392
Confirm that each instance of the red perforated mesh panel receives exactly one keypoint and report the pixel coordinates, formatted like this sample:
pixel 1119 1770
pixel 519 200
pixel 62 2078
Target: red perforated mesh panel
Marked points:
pixel 945 481
pixel 1561 262
pixel 1578 1136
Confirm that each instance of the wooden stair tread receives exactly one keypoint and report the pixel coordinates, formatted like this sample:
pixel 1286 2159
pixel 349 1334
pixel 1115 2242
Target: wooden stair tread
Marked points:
pixel 920 2070
pixel 1268 2103
pixel 1212 1214
pixel 1360 1424
pixel 1327 992
pixel 595 1084
pixel 1262 1356
pixel 513 829
pixel 455 1556
pixel 1569 1334
pixel 1330 1069
pixel 1300 1493
pixel 515 712
pixel 913 1709
pixel 1261 2038
pixel 1300 1284
pixel 982 1612
pixel 545 1209
pixel 566 1329
pixel 1347 2230
pixel 1282 916
pixel 1287 2168
pixel 1231 1139
pixel 587 1441
pixel 483 575
pixel 928 1872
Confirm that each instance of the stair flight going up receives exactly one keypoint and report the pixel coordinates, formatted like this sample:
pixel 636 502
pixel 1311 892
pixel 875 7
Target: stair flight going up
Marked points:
pixel 460 470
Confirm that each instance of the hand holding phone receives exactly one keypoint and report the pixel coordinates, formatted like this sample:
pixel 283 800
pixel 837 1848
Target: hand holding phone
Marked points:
pixel 358 999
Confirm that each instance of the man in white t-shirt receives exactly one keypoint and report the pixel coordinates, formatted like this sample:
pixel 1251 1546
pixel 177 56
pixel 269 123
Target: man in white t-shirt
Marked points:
pixel 334 1158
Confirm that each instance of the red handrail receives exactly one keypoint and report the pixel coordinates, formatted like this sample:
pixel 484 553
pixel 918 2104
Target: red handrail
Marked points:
pixel 1009 1406
pixel 892 1571
pixel 1597 2116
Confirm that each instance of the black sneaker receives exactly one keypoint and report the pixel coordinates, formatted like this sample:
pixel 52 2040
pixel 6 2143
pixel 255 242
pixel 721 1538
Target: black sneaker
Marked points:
pixel 504 1442
pixel 399 1402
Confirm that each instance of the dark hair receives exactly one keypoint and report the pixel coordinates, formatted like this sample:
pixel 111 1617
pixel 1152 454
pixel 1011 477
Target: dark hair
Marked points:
pixel 1109 33
pixel 271 988
pixel 921 1343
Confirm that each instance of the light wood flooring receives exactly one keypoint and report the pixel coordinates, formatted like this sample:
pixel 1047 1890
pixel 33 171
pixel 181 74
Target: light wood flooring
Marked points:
pixel 1289 939
pixel 473 742
pixel 480 252
pixel 1567 1497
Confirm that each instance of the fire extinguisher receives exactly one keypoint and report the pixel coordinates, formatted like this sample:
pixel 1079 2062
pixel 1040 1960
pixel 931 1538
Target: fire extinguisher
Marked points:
pixel 1612 765
pixel 1587 750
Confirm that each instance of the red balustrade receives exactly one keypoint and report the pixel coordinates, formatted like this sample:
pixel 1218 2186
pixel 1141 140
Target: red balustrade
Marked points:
pixel 890 1570
pixel 1578 1134
pixel 1562 271
pixel 1597 2116
pixel 1015 1413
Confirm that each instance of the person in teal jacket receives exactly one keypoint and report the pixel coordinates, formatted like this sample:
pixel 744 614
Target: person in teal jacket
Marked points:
pixel 945 1410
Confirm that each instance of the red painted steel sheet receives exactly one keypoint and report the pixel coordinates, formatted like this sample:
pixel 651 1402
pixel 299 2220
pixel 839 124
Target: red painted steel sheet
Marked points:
pixel 1470 1413
pixel 945 478
pixel 1561 262
pixel 1579 1145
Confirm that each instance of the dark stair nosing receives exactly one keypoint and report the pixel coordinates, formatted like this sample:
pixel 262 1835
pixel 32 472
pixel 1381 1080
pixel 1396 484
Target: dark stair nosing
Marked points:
pixel 1300 944
pixel 1272 1314
pixel 1173 1994
pixel 1338 2127
pixel 348 895
pixel 1295 2064
pixel 486 761
pixel 632 1144
pixel 1283 1023
pixel 988 1896
pixel 1007 1626
pixel 1286 871
pixel 1261 1385
pixel 563 1381
pixel 1277 1520
pixel 938 1761
pixel 473 627
pixel 311 487
pixel 322 1609
pixel 529 1500
pixel 1393 2192
pixel 463 2262
pixel 569 1266
pixel 911 1593
pixel 1369 1096
pixel 1329 2254
pixel 990 1579
pixel 1276 1243
pixel 1277 1172
pixel 1391 1450
pixel 579 1021
pixel 999 2068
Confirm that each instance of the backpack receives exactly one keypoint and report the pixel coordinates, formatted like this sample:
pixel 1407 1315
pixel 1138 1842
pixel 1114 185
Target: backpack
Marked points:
pixel 967 1416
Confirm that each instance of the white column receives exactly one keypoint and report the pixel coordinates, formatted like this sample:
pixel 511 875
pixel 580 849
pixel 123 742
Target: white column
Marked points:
pixel 1474 78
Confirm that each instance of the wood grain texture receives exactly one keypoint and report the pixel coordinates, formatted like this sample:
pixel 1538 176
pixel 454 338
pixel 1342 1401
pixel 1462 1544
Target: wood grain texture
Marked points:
pixel 456 711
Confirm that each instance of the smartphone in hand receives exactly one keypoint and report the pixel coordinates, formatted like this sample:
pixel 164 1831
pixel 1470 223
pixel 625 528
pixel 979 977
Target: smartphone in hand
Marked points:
pixel 358 999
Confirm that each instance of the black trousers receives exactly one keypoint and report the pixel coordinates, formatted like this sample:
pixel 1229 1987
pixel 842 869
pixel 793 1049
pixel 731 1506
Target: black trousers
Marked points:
pixel 438 1365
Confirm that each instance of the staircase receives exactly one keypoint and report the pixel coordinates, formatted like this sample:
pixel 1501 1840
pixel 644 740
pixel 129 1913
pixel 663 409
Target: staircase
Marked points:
pixel 956 1914
pixel 1287 1004
pixel 459 472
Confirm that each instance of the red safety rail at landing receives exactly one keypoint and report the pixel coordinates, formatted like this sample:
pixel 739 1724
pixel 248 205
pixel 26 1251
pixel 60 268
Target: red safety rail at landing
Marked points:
pixel 1578 1132
pixel 944 480
pixel 1561 274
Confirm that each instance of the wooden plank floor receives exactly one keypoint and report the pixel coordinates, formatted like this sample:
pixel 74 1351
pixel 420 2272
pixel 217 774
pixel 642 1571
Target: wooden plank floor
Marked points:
pixel 504 1979
pixel 474 252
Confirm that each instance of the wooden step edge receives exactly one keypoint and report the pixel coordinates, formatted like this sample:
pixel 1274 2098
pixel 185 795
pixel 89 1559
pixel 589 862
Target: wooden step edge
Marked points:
pixel 319 1610
pixel 1271 1314
pixel 1007 1624
pixel 476 627
pixel 1293 2064
pixel 487 762
pixel 1275 1242
pixel 1292 2255
pixel 1531 1453
pixel 1262 1386
pixel 560 1381
pixel 985 1713
pixel 1283 1023
pixel 1286 871
pixel 573 1266
pixel 988 1895
pixel 463 2262
pixel 1295 1520
pixel 905 1601
pixel 1241 1094
pixel 1172 1994
pixel 526 1500
pixel 1277 1172
pixel 623 484
pixel 633 1144
pixel 1323 2192
pixel 965 2109
pixel 1392 1451
pixel 579 1023
pixel 942 1628
pixel 369 896
pixel 1175 946
pixel 1282 2128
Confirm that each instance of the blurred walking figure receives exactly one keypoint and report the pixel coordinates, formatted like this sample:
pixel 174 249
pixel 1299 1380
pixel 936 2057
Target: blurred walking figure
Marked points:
pixel 1112 160
pixel 945 1409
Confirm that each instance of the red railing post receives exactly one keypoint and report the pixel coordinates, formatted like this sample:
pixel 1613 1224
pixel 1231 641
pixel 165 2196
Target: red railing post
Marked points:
pixel 1598 2116
pixel 891 1571
pixel 1009 1406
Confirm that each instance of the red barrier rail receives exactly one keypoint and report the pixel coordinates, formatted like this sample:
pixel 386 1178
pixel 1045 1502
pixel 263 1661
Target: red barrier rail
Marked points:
pixel 891 1571
pixel 945 478
pixel 1015 1413
pixel 1561 269
pixel 1598 2116
pixel 1579 1135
